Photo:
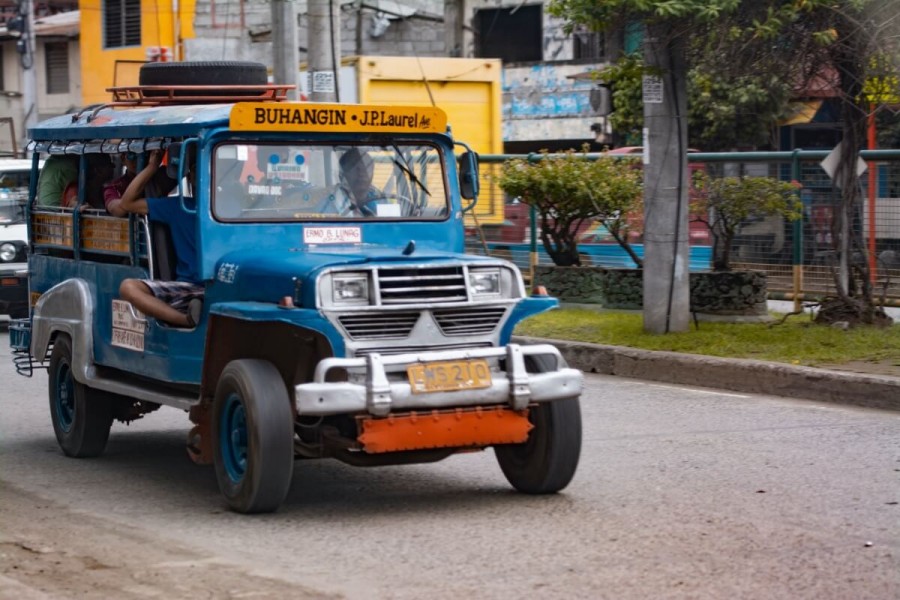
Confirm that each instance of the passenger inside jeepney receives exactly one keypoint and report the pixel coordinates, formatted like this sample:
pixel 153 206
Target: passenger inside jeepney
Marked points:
pixel 159 185
pixel 176 302
pixel 58 181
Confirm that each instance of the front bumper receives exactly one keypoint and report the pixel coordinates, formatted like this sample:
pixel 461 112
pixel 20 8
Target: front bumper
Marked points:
pixel 382 386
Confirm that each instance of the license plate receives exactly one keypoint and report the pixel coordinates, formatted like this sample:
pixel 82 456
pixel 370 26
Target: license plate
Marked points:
pixel 449 376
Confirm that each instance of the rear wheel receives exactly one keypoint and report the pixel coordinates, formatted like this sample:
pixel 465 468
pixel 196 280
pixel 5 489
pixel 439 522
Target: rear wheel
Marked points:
pixel 547 461
pixel 81 416
pixel 253 436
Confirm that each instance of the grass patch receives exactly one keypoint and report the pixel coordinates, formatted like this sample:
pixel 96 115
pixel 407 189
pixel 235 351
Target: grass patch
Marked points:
pixel 797 341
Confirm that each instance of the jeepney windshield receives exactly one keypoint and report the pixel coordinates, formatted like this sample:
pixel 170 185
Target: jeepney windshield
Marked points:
pixel 301 182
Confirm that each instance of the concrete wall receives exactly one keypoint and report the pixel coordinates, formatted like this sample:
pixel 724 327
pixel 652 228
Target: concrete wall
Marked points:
pixel 48 105
pixel 543 102
pixel 220 33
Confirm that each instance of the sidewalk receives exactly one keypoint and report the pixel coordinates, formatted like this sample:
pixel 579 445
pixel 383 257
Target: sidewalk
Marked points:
pixel 738 374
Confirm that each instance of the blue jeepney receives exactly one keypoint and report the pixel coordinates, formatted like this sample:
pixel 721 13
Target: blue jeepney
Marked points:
pixel 370 338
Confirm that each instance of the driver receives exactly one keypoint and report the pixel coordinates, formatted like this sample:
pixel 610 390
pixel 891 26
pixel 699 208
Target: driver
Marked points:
pixel 355 196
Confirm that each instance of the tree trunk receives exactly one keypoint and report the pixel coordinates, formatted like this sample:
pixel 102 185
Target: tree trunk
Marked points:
pixel 852 71
pixel 666 283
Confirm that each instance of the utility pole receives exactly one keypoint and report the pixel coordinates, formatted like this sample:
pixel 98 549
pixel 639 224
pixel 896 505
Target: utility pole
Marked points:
pixel 22 26
pixel 454 16
pixel 666 251
pixel 324 55
pixel 286 59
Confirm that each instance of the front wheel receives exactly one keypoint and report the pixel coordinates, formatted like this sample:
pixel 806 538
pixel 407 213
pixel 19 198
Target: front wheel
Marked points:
pixel 546 462
pixel 81 416
pixel 253 436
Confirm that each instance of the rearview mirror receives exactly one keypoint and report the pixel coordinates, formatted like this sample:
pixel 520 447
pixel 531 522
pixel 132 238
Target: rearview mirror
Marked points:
pixel 468 175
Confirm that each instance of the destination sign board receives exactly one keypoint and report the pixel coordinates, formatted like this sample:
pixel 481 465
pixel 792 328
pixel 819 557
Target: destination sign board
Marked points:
pixel 310 116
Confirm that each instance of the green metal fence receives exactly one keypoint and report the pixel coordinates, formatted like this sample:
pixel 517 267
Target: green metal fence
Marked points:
pixel 799 257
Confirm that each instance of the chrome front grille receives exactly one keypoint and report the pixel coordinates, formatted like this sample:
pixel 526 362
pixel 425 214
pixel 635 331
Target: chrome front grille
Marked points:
pixel 422 348
pixel 379 326
pixel 467 320
pixel 422 285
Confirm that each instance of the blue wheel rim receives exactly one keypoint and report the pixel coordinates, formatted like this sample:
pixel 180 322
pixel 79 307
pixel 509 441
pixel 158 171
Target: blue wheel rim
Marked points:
pixel 65 398
pixel 233 438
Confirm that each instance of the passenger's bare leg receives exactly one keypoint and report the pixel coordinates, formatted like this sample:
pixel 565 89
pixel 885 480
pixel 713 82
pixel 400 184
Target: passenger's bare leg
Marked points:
pixel 137 292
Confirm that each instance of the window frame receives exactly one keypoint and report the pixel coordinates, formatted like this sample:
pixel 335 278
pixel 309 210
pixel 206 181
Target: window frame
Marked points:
pixel 56 71
pixel 128 29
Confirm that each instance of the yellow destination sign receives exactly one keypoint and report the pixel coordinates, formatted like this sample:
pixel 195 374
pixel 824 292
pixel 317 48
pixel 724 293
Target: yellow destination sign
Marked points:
pixel 310 116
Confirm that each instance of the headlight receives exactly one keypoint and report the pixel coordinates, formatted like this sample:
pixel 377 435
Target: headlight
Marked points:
pixel 7 252
pixel 484 282
pixel 351 289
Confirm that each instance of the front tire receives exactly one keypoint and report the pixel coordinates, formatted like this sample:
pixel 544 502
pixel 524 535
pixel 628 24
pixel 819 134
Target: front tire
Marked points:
pixel 82 417
pixel 546 462
pixel 253 436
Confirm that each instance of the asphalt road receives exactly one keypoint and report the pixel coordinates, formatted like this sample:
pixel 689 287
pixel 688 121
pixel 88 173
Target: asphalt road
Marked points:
pixel 681 493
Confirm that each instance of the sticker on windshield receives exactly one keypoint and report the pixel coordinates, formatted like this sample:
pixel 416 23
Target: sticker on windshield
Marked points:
pixel 128 326
pixel 332 235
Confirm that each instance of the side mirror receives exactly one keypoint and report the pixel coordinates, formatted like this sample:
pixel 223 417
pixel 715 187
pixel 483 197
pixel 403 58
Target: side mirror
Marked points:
pixel 468 175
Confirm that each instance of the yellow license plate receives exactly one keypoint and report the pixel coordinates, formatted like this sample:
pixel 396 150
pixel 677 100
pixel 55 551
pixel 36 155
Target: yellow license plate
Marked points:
pixel 449 376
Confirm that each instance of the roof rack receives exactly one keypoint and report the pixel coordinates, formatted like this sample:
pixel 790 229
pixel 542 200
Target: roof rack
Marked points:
pixel 154 95
pixel 169 95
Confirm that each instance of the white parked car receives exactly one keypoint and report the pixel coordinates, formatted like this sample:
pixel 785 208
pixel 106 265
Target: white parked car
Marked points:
pixel 14 178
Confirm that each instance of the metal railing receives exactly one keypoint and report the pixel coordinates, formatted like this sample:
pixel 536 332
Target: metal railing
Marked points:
pixel 799 257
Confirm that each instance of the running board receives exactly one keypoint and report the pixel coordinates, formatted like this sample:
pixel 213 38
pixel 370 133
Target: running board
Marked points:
pixel 110 380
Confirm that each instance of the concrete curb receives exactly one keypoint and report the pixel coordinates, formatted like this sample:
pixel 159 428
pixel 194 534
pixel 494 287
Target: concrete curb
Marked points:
pixel 738 375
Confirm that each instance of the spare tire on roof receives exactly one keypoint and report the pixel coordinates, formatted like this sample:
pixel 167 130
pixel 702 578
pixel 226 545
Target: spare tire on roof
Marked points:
pixel 223 73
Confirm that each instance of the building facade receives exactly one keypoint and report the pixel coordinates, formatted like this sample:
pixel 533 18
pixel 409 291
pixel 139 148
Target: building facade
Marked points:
pixel 49 60
pixel 548 101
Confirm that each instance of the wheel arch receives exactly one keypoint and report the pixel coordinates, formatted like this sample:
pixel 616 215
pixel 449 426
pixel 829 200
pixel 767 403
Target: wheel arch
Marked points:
pixel 294 351
pixel 67 307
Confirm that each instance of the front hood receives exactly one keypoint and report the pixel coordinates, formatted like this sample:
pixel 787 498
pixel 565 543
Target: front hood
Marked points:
pixel 13 232
pixel 268 276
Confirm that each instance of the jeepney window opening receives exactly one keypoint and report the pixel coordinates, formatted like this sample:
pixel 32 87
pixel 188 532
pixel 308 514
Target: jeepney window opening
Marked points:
pixel 88 232
pixel 256 180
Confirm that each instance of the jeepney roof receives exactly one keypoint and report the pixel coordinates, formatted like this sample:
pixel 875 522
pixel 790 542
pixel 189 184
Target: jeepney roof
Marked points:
pixel 187 120
pixel 154 121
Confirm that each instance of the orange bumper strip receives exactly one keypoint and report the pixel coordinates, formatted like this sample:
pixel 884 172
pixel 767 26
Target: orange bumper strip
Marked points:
pixel 444 429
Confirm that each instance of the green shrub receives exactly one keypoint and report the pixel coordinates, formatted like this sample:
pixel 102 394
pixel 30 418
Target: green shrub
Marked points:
pixel 570 189
pixel 723 204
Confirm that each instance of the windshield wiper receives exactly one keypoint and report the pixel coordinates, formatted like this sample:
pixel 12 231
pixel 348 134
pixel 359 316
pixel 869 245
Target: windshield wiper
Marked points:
pixel 404 166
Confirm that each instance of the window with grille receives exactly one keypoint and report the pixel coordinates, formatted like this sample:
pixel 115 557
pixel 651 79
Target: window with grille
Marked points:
pixel 511 34
pixel 56 57
pixel 588 45
pixel 121 23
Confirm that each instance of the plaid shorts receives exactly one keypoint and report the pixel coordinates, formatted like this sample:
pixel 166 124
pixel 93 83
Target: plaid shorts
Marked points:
pixel 177 294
